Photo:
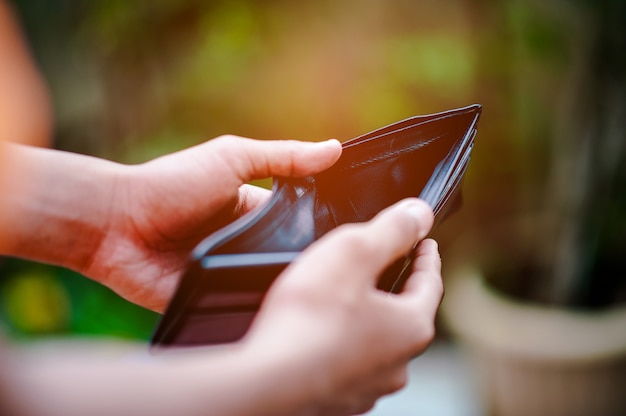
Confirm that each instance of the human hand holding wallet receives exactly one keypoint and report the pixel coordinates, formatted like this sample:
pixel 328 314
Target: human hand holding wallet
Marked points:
pixel 231 270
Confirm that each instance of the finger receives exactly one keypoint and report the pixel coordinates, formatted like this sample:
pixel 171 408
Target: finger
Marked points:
pixel 365 250
pixel 425 286
pixel 394 231
pixel 258 159
pixel 251 197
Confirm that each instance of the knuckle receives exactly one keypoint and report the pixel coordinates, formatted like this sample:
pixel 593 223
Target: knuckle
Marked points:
pixel 228 141
pixel 429 333
pixel 363 407
pixel 425 333
pixel 356 242
pixel 399 220
pixel 420 336
pixel 397 381
pixel 225 138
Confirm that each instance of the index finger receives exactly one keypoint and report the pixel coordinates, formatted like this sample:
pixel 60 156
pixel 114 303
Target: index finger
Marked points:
pixel 425 286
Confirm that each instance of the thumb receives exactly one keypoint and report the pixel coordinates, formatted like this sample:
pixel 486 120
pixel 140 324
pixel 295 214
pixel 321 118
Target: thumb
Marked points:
pixel 256 159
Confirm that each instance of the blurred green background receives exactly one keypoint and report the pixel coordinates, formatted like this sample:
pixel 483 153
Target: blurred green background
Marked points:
pixel 131 80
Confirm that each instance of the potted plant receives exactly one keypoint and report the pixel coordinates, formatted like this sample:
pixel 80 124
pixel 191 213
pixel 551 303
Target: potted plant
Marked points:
pixel 541 299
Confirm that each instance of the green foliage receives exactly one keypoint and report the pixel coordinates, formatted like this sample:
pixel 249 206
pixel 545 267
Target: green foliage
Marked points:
pixel 34 302
pixel 38 300
pixel 443 61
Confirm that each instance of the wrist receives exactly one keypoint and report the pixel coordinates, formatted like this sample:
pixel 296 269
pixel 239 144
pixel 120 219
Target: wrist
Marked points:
pixel 293 382
pixel 55 205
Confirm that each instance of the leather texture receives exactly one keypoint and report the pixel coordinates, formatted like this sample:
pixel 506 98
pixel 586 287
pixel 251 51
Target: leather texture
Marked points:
pixel 231 270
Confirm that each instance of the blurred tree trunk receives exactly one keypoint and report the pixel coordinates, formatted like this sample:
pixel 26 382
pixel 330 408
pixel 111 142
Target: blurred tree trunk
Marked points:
pixel 588 156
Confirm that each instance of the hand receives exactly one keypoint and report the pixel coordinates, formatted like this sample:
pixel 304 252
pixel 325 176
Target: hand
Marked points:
pixel 324 318
pixel 161 209
pixel 326 341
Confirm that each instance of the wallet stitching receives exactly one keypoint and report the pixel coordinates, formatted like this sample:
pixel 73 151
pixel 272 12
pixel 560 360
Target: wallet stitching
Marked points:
pixel 391 154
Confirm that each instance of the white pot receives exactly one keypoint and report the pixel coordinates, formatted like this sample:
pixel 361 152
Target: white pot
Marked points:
pixel 533 360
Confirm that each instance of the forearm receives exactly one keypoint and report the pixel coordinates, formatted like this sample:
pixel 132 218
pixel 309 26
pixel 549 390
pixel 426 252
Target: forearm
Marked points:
pixel 226 383
pixel 55 205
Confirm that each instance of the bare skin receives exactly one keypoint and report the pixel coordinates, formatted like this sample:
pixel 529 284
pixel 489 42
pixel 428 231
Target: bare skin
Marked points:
pixel 326 341
pixel 132 227
pixel 314 349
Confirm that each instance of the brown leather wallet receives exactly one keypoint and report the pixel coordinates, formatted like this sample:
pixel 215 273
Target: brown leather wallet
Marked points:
pixel 231 270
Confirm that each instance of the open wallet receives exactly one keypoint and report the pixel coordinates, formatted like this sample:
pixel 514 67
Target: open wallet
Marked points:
pixel 231 270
